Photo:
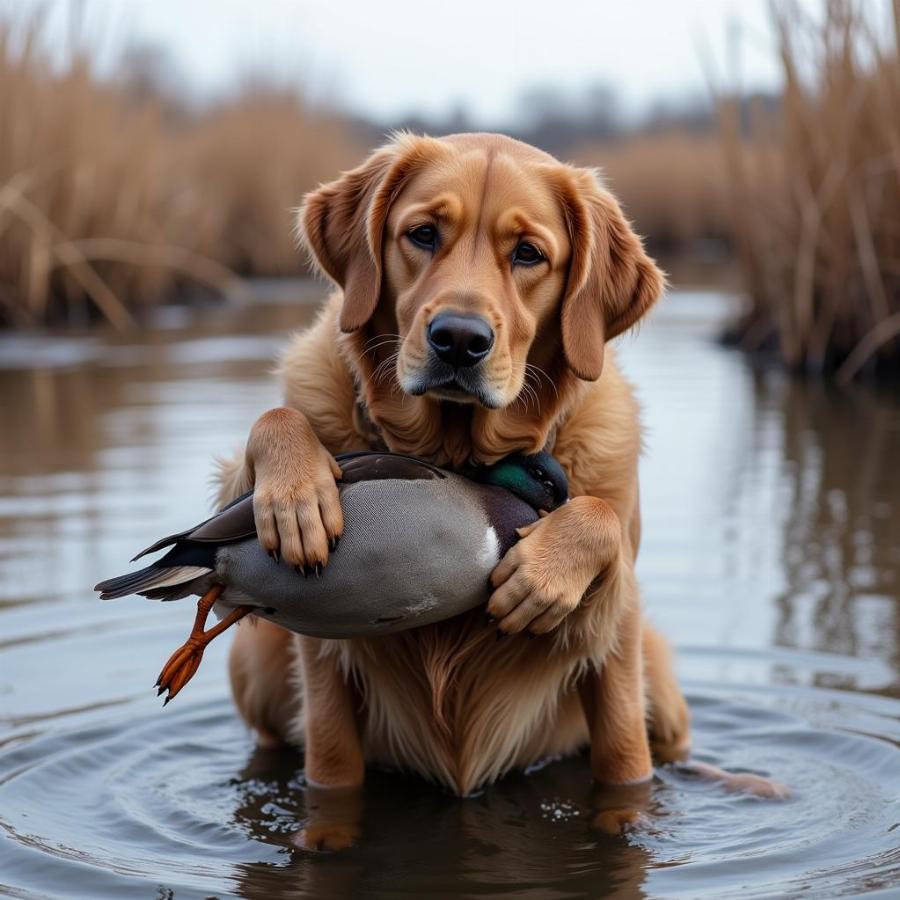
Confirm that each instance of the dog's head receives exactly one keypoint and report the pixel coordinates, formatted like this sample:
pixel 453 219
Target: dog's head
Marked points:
pixel 481 256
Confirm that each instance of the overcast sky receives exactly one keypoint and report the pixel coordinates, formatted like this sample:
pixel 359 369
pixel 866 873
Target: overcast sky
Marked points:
pixel 393 57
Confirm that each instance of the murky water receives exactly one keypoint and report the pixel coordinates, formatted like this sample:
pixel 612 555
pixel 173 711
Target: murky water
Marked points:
pixel 771 556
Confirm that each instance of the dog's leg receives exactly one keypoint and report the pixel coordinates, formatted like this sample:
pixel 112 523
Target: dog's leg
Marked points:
pixel 333 753
pixel 668 722
pixel 613 699
pixel 576 558
pixel 334 756
pixel 261 663
pixel 668 718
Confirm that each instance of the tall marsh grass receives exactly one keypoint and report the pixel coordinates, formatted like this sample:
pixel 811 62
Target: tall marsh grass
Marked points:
pixel 113 197
pixel 814 192
pixel 672 183
pixel 110 201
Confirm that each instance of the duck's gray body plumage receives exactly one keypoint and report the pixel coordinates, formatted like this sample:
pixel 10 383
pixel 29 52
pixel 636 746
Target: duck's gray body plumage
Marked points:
pixel 419 545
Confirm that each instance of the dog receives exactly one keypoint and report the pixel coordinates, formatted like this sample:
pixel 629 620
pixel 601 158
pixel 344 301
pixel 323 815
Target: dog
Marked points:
pixel 479 282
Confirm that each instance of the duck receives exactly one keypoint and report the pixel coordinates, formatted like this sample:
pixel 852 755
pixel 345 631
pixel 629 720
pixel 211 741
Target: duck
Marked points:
pixel 418 547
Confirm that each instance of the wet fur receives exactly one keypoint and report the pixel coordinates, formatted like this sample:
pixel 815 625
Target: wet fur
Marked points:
pixel 450 701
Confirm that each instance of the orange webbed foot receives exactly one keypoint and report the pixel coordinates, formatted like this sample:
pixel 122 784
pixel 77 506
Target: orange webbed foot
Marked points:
pixel 182 665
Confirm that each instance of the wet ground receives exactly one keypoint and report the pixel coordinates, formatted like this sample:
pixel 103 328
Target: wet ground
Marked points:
pixel 771 556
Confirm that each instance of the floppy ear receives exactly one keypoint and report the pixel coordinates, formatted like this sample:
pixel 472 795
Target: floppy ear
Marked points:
pixel 342 224
pixel 611 283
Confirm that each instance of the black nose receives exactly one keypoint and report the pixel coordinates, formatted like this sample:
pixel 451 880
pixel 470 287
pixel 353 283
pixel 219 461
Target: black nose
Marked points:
pixel 460 340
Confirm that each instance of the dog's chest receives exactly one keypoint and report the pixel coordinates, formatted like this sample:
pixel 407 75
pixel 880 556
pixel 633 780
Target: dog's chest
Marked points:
pixel 451 703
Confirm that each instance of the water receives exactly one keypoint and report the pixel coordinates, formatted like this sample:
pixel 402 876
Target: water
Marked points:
pixel 771 557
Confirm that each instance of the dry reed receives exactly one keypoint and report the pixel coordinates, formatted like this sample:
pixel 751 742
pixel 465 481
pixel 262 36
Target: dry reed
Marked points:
pixel 815 194
pixel 672 185
pixel 111 200
pixel 108 202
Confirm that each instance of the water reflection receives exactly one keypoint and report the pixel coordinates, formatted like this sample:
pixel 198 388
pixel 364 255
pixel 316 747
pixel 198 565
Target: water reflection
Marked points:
pixel 774 516
pixel 841 535
pixel 771 556
pixel 514 840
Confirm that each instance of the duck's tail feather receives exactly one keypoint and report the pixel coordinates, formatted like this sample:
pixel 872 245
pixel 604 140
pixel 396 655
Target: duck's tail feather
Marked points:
pixel 153 578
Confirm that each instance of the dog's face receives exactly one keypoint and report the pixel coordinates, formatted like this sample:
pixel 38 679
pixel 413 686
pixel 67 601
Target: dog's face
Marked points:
pixel 481 257
pixel 475 254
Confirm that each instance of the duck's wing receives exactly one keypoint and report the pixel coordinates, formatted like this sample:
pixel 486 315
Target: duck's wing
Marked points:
pixel 234 523
pixel 373 465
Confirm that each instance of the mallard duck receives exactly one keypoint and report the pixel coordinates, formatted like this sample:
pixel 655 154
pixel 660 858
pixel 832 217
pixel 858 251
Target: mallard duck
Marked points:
pixel 418 547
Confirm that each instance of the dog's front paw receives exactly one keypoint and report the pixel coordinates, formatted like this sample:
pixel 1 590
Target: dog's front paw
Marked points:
pixel 543 577
pixel 620 821
pixel 326 836
pixel 296 503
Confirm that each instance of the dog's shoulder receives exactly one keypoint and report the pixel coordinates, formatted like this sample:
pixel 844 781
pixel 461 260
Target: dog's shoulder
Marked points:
pixel 599 441
pixel 316 380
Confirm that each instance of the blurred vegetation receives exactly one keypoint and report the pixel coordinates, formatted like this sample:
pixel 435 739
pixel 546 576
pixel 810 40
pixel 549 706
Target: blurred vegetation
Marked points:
pixel 814 194
pixel 117 195
pixel 113 196
pixel 667 168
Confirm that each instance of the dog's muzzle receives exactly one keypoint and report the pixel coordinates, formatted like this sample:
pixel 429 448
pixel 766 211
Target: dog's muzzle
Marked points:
pixel 459 345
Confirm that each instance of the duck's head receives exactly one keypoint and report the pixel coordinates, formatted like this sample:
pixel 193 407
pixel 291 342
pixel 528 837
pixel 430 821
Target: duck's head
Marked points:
pixel 538 479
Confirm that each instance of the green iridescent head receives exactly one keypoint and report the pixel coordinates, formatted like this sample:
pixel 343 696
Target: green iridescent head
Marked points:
pixel 538 479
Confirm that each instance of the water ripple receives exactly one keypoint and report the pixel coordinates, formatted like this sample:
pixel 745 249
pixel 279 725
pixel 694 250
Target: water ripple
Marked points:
pixel 180 798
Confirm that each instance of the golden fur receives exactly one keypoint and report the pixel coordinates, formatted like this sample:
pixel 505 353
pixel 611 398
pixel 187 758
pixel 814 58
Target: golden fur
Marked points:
pixel 451 701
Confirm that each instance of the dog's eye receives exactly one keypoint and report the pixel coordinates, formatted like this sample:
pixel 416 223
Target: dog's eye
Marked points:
pixel 424 236
pixel 526 254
